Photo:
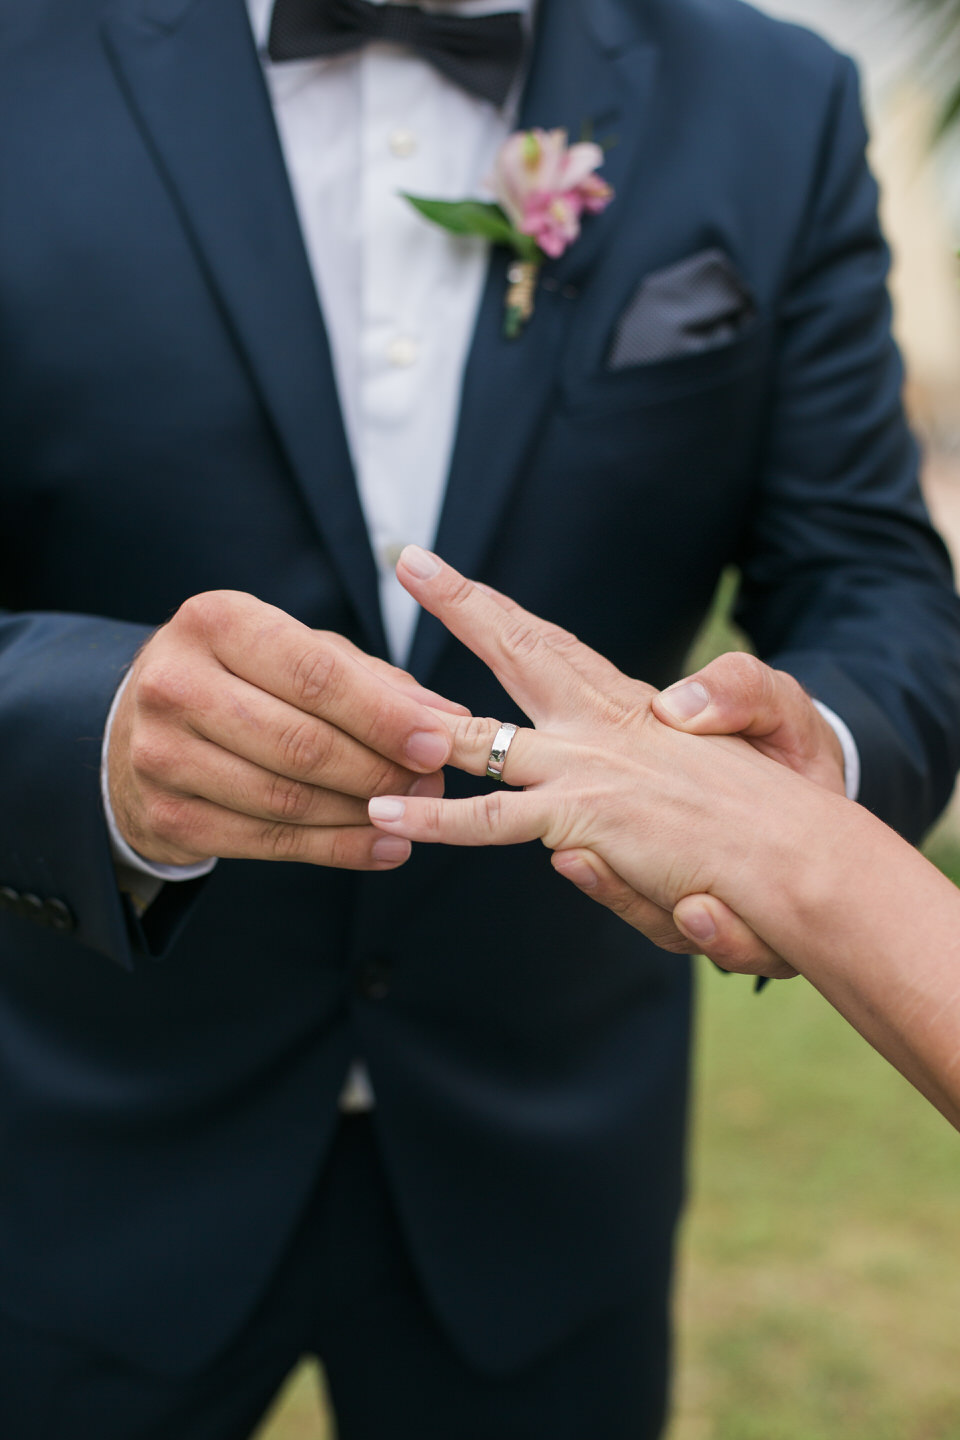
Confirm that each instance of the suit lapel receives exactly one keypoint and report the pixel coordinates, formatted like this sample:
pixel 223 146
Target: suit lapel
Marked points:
pixel 191 75
pixel 592 66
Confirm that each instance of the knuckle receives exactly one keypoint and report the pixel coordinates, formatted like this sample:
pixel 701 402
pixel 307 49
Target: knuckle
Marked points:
pixel 316 676
pixel 790 689
pixel 743 675
pixel 288 799
pixel 303 747
pixel 564 642
pixel 283 842
pixel 431 816
pixel 458 590
pixel 171 818
pixel 346 850
pixel 491 812
pixel 620 710
pixel 519 641
pixel 162 685
pixel 477 733
pixel 750 672
pixel 624 902
pixel 338 848
pixel 382 778
pixel 150 756
pixel 205 614
pixel 618 899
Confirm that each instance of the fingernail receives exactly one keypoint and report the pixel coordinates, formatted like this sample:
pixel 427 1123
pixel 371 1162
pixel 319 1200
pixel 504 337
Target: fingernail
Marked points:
pixel 391 848
pixel 698 924
pixel 385 807
pixel 579 873
pixel 429 787
pixel 419 562
pixel 427 750
pixel 685 699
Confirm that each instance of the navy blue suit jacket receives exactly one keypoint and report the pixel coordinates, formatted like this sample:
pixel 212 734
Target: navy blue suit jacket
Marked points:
pixel 169 424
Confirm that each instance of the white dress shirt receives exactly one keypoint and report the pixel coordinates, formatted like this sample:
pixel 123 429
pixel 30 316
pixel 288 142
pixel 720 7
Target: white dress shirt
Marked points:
pixel 399 295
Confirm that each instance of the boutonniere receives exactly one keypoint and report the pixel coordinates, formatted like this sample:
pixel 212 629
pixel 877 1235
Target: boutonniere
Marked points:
pixel 542 188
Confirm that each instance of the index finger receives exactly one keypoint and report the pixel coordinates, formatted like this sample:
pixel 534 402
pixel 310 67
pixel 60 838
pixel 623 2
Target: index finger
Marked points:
pixel 517 646
pixel 595 668
pixel 276 653
pixel 400 680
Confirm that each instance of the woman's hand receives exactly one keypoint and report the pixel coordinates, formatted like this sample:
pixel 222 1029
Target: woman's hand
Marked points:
pixel 668 814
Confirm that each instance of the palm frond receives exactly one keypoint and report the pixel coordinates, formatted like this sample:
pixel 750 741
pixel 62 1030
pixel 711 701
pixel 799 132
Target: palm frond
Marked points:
pixel 937 37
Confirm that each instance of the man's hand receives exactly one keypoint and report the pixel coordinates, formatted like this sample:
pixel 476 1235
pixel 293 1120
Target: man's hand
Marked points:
pixel 243 733
pixel 702 924
pixel 735 694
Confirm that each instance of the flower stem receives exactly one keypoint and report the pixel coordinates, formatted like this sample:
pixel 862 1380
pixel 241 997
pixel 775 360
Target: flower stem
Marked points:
pixel 522 276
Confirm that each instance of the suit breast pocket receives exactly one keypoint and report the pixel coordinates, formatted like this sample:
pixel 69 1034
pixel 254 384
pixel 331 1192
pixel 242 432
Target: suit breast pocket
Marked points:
pixel 599 392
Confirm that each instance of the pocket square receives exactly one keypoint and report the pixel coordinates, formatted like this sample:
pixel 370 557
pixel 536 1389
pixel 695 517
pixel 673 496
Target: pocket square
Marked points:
pixel 698 304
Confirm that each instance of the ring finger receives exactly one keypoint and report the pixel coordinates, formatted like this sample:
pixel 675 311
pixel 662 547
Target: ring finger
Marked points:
pixel 532 756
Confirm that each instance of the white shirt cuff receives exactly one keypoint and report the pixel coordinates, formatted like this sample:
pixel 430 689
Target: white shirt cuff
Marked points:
pixel 851 755
pixel 126 859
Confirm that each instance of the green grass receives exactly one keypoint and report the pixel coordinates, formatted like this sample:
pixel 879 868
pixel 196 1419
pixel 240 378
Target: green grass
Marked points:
pixel 718 633
pixel 819 1283
pixel 820 1273
pixel 821 1266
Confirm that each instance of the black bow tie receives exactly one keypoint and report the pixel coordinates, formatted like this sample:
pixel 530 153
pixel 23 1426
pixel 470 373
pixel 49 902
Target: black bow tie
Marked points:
pixel 481 53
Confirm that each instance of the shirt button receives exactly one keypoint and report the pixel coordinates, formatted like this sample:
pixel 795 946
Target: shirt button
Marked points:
pixel 402 143
pixel 403 352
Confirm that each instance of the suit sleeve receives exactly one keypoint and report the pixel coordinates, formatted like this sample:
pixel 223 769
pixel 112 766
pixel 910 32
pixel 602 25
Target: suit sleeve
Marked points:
pixel 58 676
pixel 844 582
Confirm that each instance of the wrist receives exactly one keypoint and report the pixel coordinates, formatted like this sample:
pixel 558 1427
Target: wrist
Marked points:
pixel 128 862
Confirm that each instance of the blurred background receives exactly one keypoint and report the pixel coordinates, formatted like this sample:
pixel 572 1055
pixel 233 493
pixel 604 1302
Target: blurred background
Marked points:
pixel 819 1281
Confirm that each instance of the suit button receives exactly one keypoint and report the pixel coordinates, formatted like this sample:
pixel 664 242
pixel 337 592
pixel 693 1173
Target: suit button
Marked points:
pixel 374 980
pixel 31 908
pixel 58 916
pixel 9 899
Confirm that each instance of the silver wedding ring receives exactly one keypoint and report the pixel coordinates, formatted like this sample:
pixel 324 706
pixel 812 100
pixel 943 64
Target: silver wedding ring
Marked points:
pixel 498 754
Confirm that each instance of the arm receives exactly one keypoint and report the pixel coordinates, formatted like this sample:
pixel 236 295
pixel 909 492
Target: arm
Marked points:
pixel 821 880
pixel 868 921
pixel 846 588
pixel 845 585
pixel 240 732
pixel 58 674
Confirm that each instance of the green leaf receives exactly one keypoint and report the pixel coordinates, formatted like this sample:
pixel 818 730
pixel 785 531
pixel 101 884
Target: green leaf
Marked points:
pixel 474 217
pixel 948 116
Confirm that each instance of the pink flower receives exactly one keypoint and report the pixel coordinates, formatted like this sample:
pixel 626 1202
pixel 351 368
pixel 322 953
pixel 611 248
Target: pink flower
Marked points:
pixel 545 185
pixel 552 220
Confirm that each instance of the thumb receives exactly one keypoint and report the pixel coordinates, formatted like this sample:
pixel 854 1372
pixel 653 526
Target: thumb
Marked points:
pixel 714 929
pixel 735 694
